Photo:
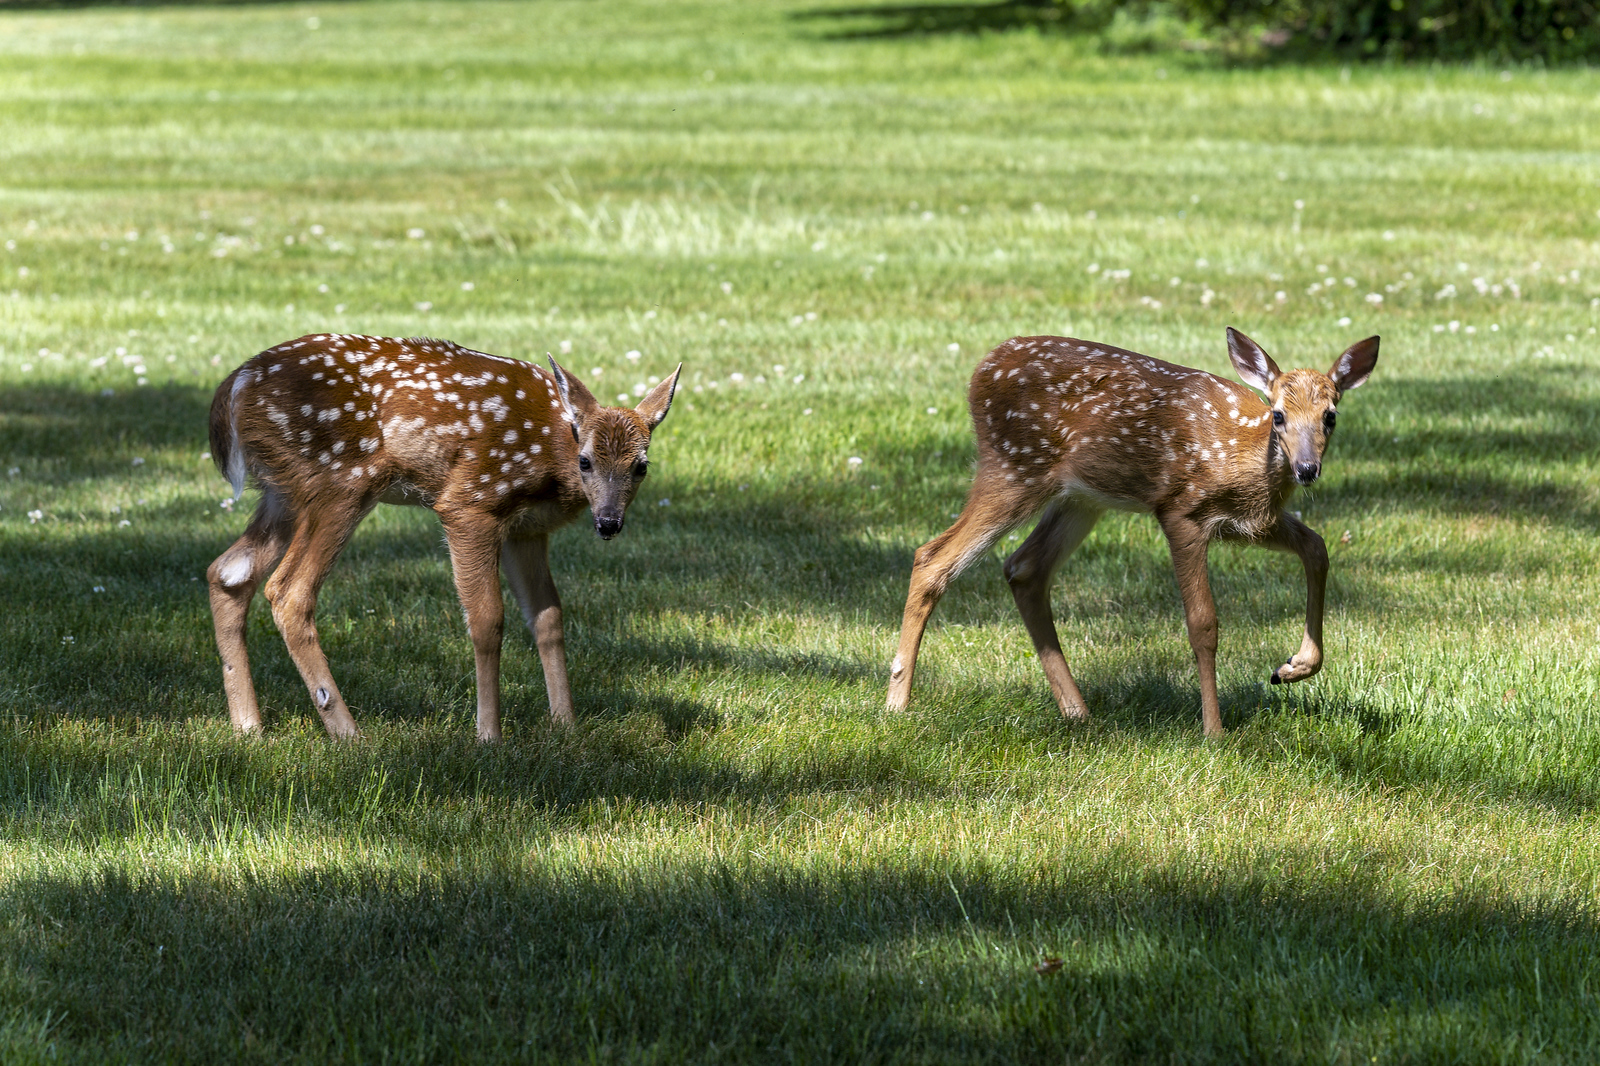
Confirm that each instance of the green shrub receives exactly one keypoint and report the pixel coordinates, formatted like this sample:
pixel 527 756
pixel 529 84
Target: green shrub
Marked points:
pixel 1554 31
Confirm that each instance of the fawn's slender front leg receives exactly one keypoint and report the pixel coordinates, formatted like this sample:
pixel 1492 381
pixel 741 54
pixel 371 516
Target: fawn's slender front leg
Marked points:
pixel 1295 536
pixel 526 562
pixel 233 579
pixel 1062 528
pixel 1189 545
pixel 475 558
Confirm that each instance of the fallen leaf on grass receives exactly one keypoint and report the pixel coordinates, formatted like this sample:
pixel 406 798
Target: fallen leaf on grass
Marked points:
pixel 1050 965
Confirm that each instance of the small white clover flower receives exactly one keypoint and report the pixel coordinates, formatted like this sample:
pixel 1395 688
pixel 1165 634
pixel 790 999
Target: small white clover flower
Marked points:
pixel 35 516
pixel 634 355
pixel 854 460
pixel 933 410
pixel 416 233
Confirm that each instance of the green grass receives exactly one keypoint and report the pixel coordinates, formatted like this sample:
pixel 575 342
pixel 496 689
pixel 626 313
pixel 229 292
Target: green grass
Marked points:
pixel 737 855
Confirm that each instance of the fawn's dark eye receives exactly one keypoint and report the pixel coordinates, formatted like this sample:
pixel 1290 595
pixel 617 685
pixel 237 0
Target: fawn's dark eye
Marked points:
pixel 1329 419
pixel 641 468
pixel 1277 419
pixel 584 464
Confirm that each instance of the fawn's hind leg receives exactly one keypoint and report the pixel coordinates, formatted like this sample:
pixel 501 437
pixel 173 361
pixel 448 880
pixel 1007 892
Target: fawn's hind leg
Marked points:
pixel 992 508
pixel 319 535
pixel 233 579
pixel 1062 528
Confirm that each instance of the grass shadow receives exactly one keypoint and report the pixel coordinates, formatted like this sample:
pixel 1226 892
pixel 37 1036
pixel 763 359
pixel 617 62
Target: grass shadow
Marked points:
pixel 908 961
pixel 1541 761
pixel 1480 447
pixel 890 20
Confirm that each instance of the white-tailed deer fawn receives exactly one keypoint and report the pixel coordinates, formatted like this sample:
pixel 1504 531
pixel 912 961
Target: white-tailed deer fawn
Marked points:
pixel 1074 428
pixel 503 451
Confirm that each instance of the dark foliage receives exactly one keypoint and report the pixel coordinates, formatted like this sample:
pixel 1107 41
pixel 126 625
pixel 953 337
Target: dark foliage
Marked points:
pixel 1507 30
pixel 1549 31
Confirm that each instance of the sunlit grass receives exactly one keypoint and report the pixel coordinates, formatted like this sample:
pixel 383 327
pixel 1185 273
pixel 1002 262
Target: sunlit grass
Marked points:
pixel 737 854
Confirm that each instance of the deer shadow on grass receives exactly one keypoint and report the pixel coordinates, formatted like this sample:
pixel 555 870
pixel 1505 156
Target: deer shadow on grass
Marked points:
pixel 879 960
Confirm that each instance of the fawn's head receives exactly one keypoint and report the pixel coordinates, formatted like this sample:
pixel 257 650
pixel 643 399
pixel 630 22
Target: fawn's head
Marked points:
pixel 613 445
pixel 1303 402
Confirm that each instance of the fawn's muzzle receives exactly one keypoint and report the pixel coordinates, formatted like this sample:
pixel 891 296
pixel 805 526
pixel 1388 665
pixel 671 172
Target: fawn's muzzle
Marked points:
pixel 608 525
pixel 1306 473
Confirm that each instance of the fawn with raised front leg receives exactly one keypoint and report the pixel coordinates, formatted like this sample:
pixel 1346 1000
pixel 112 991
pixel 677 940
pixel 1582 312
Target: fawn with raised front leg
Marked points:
pixel 1074 429
pixel 503 451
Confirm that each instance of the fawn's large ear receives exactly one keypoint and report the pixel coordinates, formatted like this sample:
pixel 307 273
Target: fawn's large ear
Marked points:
pixel 1353 368
pixel 653 408
pixel 577 402
pixel 1253 365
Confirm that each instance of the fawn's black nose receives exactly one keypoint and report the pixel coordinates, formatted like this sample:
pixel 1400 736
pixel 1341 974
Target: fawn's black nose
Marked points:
pixel 607 526
pixel 1306 473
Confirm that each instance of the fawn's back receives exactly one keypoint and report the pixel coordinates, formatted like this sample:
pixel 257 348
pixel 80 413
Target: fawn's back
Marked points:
pixel 414 420
pixel 1060 415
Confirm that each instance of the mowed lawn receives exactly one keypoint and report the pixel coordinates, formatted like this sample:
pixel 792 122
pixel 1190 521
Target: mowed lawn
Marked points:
pixel 737 855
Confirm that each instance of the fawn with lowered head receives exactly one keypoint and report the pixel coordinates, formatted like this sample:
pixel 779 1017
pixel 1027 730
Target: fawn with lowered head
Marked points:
pixel 503 451
pixel 1074 428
